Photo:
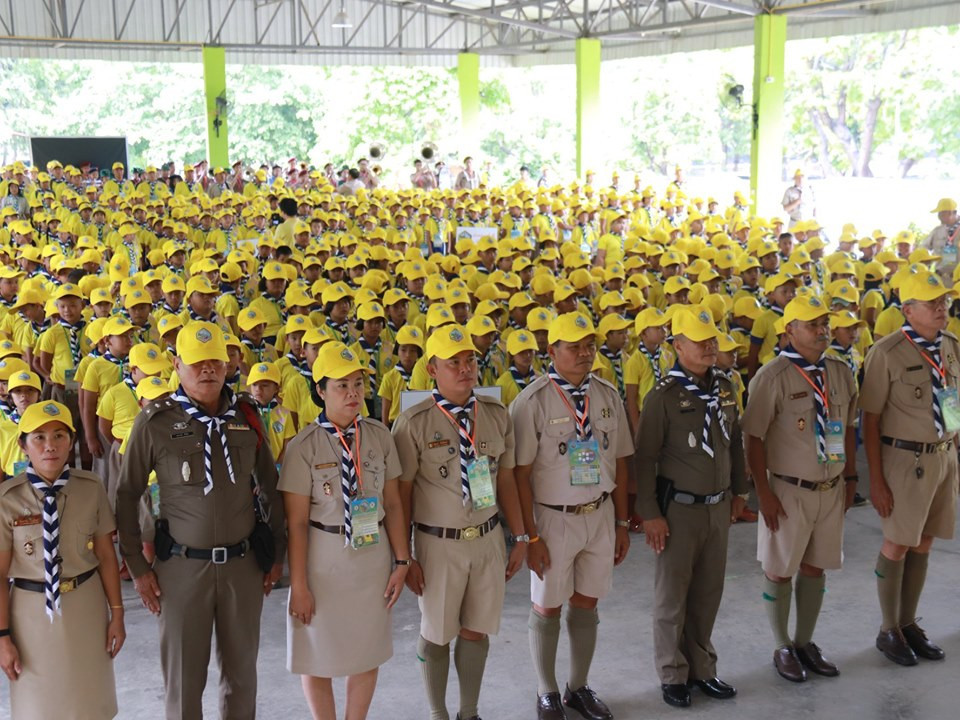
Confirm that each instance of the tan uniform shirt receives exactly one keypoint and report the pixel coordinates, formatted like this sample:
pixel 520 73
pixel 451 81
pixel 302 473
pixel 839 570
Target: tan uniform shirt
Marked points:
pixel 669 444
pixel 429 447
pixel 545 425
pixel 781 412
pixel 936 241
pixel 166 440
pixel 897 386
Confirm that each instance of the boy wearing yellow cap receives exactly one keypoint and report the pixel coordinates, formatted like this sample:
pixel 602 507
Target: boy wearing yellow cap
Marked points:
pixel 611 356
pixel 410 348
pixel 263 383
pixel 648 364
pixel 780 290
pixel 521 347
pixel 24 389
pixel 255 349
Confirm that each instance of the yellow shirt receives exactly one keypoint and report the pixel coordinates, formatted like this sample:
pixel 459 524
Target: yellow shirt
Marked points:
pixel 119 405
pixel 100 376
pixel 55 340
pixel 888 321
pixel 391 388
pixel 272 312
pixel 12 459
pixel 280 427
pixel 638 370
pixel 764 333
pixel 419 379
pixel 509 388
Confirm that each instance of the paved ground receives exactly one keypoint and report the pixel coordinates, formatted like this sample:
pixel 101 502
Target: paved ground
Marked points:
pixel 623 674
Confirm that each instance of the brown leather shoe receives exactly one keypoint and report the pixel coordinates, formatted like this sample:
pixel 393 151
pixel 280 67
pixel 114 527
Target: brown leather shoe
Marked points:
pixel 894 646
pixel 813 660
pixel 917 640
pixel 586 702
pixel 550 707
pixel 787 663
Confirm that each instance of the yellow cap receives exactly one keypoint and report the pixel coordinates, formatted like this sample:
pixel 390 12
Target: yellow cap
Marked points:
pixel 519 341
pixel 747 307
pixel 945 205
pixel 571 327
pixel 250 318
pixel 448 341
pixel 844 319
pixel 650 317
pixel 804 308
pixel 335 360
pixel 39 414
pixel 726 343
pixel 481 325
pixel 117 325
pixel 67 290
pixel 151 388
pixel 11 365
pixel 148 358
pixel 695 323
pixel 200 284
pixel 263 371
pixel 409 335
pixel 199 341
pixel 611 322
pixel 168 323
pixel 24 379
pixel 923 286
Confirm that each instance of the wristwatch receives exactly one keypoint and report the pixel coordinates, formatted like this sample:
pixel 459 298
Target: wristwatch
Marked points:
pixel 623 524
pixel 525 538
pixel 401 562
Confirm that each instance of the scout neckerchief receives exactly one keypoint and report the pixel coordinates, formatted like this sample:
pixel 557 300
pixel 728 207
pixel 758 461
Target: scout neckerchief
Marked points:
pixel 894 300
pixel 8 303
pixel 846 354
pixel 543 357
pixel 712 400
pixel 128 381
pixel 654 358
pixel 403 374
pixel 72 332
pixel 119 362
pixel 373 355
pixel 521 380
pixel 257 350
pixel 514 324
pixel 422 301
pixel 581 403
pixel 280 303
pixel 51 536
pixel 215 424
pixel 197 317
pixel 930 351
pixel 460 418
pixel 300 366
pixel 265 410
pixel 394 328
pixel 815 374
pixel 350 479
pixel 169 308
pixel 12 413
pixel 777 310
pixel 615 359
pixel 341 330
pixel 37 327
pixel 484 362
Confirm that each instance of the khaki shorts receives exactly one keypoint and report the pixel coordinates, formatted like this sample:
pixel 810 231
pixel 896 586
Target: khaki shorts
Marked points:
pixel 811 533
pixel 581 554
pixel 921 506
pixel 464 584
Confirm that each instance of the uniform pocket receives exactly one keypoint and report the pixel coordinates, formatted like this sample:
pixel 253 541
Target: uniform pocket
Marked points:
pixel 85 539
pixel 325 483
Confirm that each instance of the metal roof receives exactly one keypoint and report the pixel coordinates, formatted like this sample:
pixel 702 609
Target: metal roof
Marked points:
pixel 425 32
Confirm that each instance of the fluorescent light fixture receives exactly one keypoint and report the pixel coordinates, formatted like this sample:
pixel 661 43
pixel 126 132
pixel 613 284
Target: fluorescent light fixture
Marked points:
pixel 341 19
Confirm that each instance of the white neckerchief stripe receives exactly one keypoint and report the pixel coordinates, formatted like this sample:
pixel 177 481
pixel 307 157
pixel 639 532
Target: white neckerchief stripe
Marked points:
pixel 51 536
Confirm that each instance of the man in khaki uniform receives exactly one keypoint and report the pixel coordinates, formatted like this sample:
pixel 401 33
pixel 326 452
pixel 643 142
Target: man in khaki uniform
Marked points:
pixel 211 580
pixel 801 447
pixel 573 444
pixel 692 485
pixel 944 239
pixel 456 450
pixel 910 419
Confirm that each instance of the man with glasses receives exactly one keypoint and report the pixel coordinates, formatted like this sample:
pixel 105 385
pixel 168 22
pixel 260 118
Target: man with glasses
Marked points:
pixel 801 448
pixel 910 423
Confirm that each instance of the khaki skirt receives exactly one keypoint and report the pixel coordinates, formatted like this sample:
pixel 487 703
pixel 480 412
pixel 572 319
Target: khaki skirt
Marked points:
pixel 67 673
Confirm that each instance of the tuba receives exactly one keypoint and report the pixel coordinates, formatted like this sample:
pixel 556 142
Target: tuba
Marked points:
pixel 376 151
pixel 429 151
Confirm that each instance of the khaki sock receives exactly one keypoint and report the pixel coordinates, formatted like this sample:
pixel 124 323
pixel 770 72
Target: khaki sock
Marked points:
pixel 582 628
pixel 435 667
pixel 889 586
pixel 544 636
pixel 470 658
pixel 914 576
pixel 777 597
pixel 809 593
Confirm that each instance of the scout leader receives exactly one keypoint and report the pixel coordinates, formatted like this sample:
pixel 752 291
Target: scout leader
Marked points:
pixel 456 451
pixel 910 423
pixel 692 483
pixel 801 447
pixel 218 511
pixel 573 442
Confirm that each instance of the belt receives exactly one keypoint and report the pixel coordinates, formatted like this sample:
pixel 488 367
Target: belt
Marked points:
pixel 334 529
pixel 467 533
pixel 918 447
pixel 582 509
pixel 809 485
pixel 217 555
pixel 65 585
pixel 687 498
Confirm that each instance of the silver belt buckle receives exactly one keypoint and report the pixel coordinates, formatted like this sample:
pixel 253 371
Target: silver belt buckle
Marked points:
pixel 714 499
pixel 683 498
pixel 218 556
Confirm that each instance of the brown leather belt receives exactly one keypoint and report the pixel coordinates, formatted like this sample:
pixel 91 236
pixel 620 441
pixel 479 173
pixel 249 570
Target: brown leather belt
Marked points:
pixel 65 585
pixel 468 533
pixel 917 447
pixel 334 529
pixel 582 509
pixel 809 485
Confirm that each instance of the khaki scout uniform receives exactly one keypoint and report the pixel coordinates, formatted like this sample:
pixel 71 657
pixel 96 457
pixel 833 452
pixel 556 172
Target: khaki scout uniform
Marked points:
pixel 897 386
pixel 66 671
pixel 781 412
pixel 464 581
pixel 945 242
pixel 690 570
pixel 200 597
pixel 351 630
pixel 580 539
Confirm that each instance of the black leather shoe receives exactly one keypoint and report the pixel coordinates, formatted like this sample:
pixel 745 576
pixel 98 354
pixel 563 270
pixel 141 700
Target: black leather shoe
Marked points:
pixel 894 646
pixel 917 640
pixel 859 500
pixel 472 717
pixel 814 661
pixel 715 688
pixel 586 702
pixel 787 663
pixel 676 695
pixel 549 707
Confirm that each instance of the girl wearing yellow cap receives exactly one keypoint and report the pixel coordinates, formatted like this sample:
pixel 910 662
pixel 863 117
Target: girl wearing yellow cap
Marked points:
pixel 409 343
pixel 24 391
pixel 521 346
pixel 280 424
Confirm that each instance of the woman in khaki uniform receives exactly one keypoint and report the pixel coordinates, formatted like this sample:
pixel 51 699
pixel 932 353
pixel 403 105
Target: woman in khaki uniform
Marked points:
pixel 57 641
pixel 340 491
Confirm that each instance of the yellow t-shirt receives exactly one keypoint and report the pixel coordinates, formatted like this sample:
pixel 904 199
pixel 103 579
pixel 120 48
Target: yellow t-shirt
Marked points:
pixel 280 427
pixel 12 459
pixel 391 388
pixel 888 321
pixel 120 406
pixel 55 340
pixel 509 389
pixel 100 376
pixel 764 333
pixel 638 370
pixel 272 312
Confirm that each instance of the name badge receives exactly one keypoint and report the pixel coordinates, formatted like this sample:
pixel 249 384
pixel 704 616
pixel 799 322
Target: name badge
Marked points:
pixel 949 253
pixel 20 466
pixel 584 462
pixel 481 483
pixel 25 520
pixel 365 521
pixel 70 383
pixel 949 408
pixel 834 437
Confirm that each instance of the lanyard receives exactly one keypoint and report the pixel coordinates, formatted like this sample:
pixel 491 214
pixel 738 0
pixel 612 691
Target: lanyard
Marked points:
pixel 586 408
pixel 823 395
pixel 459 427
pixel 937 369
pixel 346 449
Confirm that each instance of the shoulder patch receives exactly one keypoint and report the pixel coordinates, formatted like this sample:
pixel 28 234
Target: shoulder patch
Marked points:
pixel 158 406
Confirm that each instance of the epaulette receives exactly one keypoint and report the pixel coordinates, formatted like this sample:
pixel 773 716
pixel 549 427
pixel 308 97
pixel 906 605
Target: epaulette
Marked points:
pixel 596 378
pixel 158 406
pixel 489 399
pixel 664 382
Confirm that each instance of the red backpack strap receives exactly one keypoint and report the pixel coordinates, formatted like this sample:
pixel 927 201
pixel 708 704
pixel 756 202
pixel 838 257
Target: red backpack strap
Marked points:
pixel 253 419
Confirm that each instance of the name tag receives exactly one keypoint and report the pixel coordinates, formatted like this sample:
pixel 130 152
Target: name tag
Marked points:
pixel 25 520
pixel 797 396
pixel 438 443
pixel 584 462
pixel 326 466
pixel 834 442
pixel 237 426
pixel 557 421
pixel 949 408
pixel 481 483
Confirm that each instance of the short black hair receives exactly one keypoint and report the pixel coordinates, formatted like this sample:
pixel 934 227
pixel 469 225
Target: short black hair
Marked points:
pixel 354 174
pixel 288 206
pixel 314 394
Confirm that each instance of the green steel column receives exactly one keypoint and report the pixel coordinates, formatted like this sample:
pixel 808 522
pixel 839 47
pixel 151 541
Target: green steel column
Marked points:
pixel 766 148
pixel 588 102
pixel 215 85
pixel 468 78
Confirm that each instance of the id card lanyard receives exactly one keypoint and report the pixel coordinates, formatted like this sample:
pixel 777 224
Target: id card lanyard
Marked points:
pixel 573 413
pixel 834 440
pixel 479 478
pixel 346 447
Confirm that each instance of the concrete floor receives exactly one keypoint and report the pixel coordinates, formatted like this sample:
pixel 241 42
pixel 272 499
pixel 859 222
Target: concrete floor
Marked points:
pixel 623 673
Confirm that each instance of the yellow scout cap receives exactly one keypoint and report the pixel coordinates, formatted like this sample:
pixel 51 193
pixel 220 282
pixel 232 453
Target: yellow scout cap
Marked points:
pixel 520 341
pixel 922 287
pixel 263 371
pixel 694 323
pixel 409 335
pixel 747 307
pixel 11 365
pixel 844 319
pixel 448 341
pixel 148 358
pixel 24 379
pixel 39 414
pixel 571 327
pixel 945 205
pixel 168 323
pixel 250 318
pixel 199 341
pixel 67 290
pixel 199 284
pixel 804 308
pixel 117 325
pixel 151 388
pixel 335 360
pixel 612 322
pixel 726 343
pixel 650 317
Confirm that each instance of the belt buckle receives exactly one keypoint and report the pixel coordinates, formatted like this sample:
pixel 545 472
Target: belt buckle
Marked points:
pixel 218 555
pixel 589 507
pixel 470 533
pixel 714 499
pixel 683 498
pixel 68 585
